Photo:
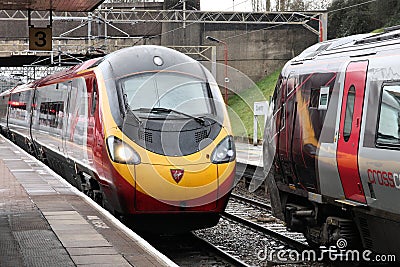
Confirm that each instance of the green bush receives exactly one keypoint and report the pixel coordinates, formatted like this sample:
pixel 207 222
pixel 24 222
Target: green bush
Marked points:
pixel 242 105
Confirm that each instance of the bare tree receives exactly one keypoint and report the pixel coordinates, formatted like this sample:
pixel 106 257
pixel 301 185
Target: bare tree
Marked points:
pixel 256 4
pixel 319 5
pixel 267 5
pixel 281 5
pixel 301 5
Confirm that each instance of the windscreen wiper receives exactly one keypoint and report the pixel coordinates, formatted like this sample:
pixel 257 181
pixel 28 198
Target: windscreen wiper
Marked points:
pixel 169 110
pixel 128 108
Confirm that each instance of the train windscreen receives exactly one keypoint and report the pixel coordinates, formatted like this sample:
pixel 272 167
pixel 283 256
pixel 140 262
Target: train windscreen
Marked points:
pixel 169 91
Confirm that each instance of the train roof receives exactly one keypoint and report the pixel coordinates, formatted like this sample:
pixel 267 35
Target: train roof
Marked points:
pixel 350 44
pixel 170 59
pixel 67 72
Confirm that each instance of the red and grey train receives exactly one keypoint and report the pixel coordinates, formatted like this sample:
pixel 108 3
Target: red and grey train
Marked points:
pixel 143 130
pixel 333 143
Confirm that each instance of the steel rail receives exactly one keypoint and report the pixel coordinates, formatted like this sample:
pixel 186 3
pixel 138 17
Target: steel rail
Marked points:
pixel 223 254
pixel 252 201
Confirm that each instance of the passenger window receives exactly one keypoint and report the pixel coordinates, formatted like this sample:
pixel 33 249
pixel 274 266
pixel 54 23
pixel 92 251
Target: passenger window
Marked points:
pixel 94 97
pixel 348 120
pixel 389 116
pixel 323 98
pixel 291 84
pixel 314 98
pixel 49 106
pixel 319 98
pixel 19 108
pixel 51 114
pixel 283 116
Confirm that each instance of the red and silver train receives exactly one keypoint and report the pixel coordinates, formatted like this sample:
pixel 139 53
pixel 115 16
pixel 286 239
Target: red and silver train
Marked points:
pixel 333 143
pixel 143 130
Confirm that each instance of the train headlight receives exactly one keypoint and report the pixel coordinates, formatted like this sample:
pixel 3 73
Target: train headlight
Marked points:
pixel 224 152
pixel 121 152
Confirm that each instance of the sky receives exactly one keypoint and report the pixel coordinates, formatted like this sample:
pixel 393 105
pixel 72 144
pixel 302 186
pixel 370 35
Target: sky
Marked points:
pixel 225 5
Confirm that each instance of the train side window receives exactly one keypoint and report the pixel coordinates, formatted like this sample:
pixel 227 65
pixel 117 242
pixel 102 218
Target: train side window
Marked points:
pixel 291 84
pixel 94 97
pixel 323 98
pixel 49 102
pixel 19 108
pixel 348 120
pixel 389 116
pixel 319 98
pixel 283 116
pixel 314 98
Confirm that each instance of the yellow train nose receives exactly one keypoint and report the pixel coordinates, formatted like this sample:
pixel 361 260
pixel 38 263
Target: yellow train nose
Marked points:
pixel 176 183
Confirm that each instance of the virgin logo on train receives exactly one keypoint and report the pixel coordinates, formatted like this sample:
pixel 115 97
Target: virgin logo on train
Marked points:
pixel 177 174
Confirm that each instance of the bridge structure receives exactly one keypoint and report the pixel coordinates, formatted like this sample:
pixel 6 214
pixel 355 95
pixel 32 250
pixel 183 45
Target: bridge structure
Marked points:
pixel 117 21
pixel 79 35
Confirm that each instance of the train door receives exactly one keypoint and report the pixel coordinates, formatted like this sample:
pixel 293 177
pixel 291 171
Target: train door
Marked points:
pixel 92 93
pixel 349 130
pixel 95 127
pixel 288 110
pixel 66 123
pixel 75 134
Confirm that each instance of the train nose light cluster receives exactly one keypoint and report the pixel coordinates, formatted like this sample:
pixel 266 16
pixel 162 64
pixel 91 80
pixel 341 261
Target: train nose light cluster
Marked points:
pixel 120 152
pixel 224 152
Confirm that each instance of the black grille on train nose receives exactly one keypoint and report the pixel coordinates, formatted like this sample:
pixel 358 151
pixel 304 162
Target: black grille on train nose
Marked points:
pixel 199 136
pixel 146 136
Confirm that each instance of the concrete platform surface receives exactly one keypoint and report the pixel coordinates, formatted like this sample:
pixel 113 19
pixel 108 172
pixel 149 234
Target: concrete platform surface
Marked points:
pixel 249 154
pixel 44 221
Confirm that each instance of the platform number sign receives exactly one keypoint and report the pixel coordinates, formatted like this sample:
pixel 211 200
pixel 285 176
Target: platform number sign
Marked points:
pixel 40 39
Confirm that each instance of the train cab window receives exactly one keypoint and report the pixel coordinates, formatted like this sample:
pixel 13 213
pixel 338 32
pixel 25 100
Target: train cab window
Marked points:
pixel 167 90
pixel 348 120
pixel 389 116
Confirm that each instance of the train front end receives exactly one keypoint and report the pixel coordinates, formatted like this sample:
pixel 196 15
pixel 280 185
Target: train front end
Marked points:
pixel 170 149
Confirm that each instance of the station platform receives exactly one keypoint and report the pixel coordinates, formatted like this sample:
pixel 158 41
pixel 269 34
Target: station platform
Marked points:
pixel 249 159
pixel 44 221
pixel 249 154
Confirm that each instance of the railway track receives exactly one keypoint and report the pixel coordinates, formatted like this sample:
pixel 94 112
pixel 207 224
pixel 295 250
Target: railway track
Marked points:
pixel 256 201
pixel 192 250
pixel 247 227
pixel 257 215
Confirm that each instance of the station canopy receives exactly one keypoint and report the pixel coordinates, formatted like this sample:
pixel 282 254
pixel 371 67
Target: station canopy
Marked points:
pixel 56 5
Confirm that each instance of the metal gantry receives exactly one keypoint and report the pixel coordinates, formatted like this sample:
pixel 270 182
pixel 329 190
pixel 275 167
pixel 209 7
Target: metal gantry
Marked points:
pixel 28 73
pixel 171 16
pixel 112 18
pixel 65 45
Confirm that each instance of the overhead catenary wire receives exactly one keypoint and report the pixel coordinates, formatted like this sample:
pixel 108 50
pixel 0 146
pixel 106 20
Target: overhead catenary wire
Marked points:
pixel 269 27
pixel 161 34
pixel 355 5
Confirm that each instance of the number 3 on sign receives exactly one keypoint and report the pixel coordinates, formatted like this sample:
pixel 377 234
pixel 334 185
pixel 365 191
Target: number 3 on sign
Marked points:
pixel 40 39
